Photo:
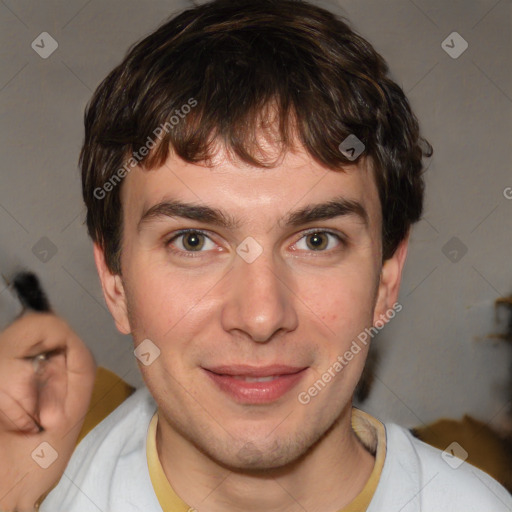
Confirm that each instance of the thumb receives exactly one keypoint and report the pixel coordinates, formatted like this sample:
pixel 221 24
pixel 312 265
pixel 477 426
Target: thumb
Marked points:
pixel 65 387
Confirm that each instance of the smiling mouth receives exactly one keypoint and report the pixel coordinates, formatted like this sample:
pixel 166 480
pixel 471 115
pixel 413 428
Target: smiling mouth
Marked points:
pixel 256 379
pixel 255 385
pixel 242 370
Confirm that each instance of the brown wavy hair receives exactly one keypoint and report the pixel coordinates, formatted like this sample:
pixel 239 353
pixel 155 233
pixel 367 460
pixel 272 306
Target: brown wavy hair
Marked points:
pixel 244 62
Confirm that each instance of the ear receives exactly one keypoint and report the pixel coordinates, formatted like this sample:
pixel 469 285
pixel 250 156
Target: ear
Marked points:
pixel 113 291
pixel 390 277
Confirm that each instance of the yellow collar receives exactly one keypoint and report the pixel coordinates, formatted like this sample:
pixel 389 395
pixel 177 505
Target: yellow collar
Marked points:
pixel 369 430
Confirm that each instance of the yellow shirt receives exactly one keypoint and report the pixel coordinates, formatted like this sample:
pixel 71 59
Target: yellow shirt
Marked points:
pixel 368 429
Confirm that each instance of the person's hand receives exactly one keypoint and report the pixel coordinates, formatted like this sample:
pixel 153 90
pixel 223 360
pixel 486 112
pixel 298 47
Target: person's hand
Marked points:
pixel 52 391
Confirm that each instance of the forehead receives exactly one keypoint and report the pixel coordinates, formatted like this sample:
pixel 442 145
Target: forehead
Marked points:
pixel 250 194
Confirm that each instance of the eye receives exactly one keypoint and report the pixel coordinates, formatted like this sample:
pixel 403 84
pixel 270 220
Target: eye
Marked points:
pixel 191 241
pixel 319 241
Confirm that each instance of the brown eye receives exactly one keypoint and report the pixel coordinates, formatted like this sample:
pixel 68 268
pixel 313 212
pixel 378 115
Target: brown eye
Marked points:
pixel 321 241
pixel 193 241
pixel 317 241
pixel 190 241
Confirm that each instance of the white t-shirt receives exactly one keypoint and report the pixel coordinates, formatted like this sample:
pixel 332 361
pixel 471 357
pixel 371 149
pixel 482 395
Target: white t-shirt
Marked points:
pixel 108 472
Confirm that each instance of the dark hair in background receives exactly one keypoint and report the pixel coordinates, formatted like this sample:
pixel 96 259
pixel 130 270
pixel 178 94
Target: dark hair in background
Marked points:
pixel 30 293
pixel 245 61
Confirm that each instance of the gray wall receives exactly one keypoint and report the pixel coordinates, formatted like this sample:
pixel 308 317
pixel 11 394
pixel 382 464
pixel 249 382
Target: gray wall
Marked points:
pixel 435 358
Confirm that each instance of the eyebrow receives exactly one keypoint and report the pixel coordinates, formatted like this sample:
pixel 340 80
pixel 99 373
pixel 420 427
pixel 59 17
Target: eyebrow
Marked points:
pixel 190 211
pixel 336 207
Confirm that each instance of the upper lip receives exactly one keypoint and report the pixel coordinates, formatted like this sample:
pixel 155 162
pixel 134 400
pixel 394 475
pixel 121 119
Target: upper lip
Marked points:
pixel 240 370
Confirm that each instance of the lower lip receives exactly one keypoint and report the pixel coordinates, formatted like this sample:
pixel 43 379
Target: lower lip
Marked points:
pixel 256 392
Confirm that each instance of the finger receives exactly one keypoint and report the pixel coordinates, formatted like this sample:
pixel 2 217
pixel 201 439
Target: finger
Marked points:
pixel 66 396
pixel 19 382
pixel 13 417
pixel 81 375
pixel 52 392
pixel 31 334
pixel 68 373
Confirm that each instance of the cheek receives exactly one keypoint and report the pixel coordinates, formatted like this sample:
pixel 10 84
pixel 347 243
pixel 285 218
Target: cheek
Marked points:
pixel 172 309
pixel 343 301
pixel 159 299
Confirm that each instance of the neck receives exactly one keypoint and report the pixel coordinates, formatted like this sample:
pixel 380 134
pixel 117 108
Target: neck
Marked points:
pixel 325 479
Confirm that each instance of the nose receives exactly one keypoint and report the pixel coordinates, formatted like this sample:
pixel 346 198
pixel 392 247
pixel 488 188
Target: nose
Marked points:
pixel 259 301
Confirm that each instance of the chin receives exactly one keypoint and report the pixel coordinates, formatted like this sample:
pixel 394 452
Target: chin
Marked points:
pixel 264 455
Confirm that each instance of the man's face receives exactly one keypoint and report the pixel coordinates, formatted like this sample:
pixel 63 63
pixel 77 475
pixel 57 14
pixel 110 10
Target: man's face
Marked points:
pixel 223 318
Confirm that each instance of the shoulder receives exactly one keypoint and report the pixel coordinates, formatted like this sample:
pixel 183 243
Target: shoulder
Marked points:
pixel 432 480
pixel 104 402
pixel 109 465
